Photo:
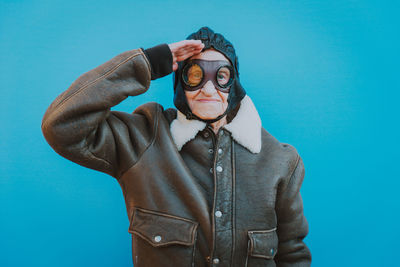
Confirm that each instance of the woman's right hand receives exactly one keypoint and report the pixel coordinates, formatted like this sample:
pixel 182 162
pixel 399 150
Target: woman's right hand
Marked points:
pixel 183 50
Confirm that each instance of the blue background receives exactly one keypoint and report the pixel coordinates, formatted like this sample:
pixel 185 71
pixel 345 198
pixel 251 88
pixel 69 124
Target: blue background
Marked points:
pixel 323 75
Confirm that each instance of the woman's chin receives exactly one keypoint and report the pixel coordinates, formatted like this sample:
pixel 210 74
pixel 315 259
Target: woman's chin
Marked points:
pixel 207 116
pixel 208 110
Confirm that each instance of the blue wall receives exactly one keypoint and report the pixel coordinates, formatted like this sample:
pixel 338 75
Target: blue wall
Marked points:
pixel 323 74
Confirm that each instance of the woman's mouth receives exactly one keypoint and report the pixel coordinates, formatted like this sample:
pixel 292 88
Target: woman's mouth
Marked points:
pixel 207 100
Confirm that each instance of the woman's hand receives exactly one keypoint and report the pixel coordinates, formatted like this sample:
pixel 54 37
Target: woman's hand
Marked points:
pixel 183 50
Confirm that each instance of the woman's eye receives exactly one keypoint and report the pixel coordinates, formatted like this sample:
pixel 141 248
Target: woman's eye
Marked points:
pixel 197 74
pixel 223 76
pixel 194 75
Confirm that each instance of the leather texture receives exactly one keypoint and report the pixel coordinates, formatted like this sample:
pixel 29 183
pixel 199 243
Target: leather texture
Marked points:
pixel 211 203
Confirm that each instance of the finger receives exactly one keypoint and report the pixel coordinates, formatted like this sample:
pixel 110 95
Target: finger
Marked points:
pixel 182 48
pixel 187 54
pixel 190 44
pixel 192 41
pixel 185 43
pixel 196 46
pixel 184 52
pixel 184 56
pixel 186 48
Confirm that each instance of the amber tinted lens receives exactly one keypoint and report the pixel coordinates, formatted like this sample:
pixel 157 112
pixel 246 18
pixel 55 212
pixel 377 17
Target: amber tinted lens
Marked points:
pixel 223 76
pixel 193 75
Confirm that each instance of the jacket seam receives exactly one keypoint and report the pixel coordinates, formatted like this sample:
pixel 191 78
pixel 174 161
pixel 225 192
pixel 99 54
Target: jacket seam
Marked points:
pixel 92 155
pixel 291 173
pixel 160 213
pixel 96 157
pixel 297 163
pixel 160 245
pixel 141 51
pixel 214 195
pixel 56 108
pixel 155 125
pixel 194 249
pixel 262 231
pixel 233 202
pixel 248 253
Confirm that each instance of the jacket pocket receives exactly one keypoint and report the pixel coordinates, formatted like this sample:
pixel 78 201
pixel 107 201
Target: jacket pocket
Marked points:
pixel 262 247
pixel 164 238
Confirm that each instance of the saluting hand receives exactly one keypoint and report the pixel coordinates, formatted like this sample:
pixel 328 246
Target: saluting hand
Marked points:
pixel 183 50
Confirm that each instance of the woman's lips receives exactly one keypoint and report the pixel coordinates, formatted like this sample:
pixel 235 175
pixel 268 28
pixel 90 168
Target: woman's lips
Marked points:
pixel 208 100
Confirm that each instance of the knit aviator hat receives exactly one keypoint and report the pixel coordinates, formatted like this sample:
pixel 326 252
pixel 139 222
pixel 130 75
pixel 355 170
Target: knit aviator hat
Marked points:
pixel 219 43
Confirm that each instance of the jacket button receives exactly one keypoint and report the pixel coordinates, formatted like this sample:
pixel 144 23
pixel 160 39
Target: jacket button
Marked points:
pixel 272 251
pixel 218 213
pixel 219 169
pixel 206 134
pixel 220 151
pixel 216 261
pixel 211 171
pixel 210 151
pixel 157 238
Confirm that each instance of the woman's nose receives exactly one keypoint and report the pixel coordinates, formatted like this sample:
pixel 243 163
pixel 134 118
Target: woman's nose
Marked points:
pixel 208 88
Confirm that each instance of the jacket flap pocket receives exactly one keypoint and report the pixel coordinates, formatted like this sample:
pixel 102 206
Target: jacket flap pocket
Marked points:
pixel 161 229
pixel 264 243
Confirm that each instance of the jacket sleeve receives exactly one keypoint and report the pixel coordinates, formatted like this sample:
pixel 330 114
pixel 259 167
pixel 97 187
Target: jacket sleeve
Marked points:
pixel 80 126
pixel 292 224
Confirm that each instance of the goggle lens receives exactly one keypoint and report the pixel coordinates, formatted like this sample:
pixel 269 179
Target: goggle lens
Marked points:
pixel 194 75
pixel 223 76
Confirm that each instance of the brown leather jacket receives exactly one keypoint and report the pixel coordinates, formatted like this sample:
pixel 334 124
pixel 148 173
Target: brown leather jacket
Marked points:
pixel 194 198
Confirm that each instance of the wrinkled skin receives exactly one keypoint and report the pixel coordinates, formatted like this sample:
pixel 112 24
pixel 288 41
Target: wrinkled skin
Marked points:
pixel 207 102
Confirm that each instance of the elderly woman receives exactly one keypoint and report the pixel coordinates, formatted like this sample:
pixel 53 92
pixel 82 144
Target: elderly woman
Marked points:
pixel 204 184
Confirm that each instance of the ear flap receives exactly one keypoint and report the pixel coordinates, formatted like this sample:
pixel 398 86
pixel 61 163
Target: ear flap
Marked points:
pixel 237 65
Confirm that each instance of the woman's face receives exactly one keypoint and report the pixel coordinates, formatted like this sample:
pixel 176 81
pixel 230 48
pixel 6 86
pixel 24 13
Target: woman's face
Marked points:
pixel 208 102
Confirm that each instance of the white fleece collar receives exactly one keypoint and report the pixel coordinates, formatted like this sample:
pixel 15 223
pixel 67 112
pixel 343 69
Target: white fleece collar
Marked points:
pixel 245 127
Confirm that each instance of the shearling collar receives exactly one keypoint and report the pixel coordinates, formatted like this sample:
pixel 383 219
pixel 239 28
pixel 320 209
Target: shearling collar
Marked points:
pixel 245 127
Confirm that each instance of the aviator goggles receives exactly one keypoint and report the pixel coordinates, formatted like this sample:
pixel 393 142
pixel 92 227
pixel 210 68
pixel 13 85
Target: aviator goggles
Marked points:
pixel 197 72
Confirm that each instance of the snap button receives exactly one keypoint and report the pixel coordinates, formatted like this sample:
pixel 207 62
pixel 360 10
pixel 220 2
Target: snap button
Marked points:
pixel 157 238
pixel 216 261
pixel 272 251
pixel 219 169
pixel 220 151
pixel 218 213
pixel 206 134
pixel 210 151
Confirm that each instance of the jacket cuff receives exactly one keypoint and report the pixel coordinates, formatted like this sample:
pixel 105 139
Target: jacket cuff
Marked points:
pixel 160 58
